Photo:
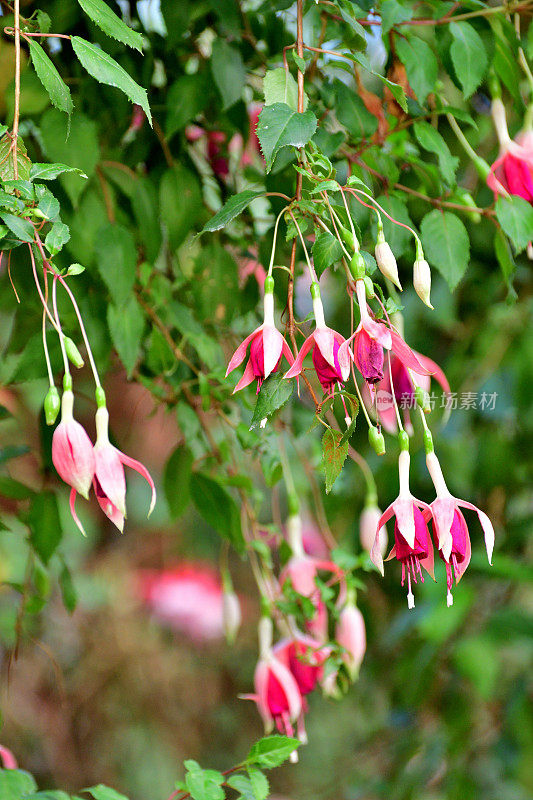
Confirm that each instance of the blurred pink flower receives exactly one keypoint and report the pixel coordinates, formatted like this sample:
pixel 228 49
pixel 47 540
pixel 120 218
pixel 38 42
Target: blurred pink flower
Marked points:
pixel 188 599
pixel 512 171
pixel 350 633
pixel 8 759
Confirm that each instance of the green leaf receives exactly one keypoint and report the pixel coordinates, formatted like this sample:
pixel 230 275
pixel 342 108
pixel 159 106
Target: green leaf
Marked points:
pixel 420 64
pixel 431 140
pixel 352 112
pixel 271 751
pixel 107 20
pixel 116 257
pixel 259 783
pixel 354 411
pixel 79 150
pixel 396 90
pixel 45 525
pixel 229 72
pixel 393 12
pixel 50 78
pixel 177 481
pixel 22 228
pixel 333 456
pixel 68 591
pixel 186 98
pixel 279 86
pixel 14 490
pixel 145 204
pixel 47 172
pixel 469 56
pixel 106 70
pixel 7 159
pixel 15 784
pixel 126 326
pixel 183 319
pixel 234 206
pixel 515 215
pixel 10 202
pixel 203 784
pixel 505 258
pixel 218 508
pixel 446 244
pixel 46 202
pixel 299 61
pixel 102 792
pixel 274 393
pixel 326 251
pixel 57 236
pixel 180 200
pixel 280 126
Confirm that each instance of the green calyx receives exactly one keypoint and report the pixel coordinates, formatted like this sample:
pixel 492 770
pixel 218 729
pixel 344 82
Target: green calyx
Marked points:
pixel 67 382
pixel 293 504
pixel 403 441
pixel 422 399
pixel 74 355
pixel 428 442
pixel 100 397
pixel 52 405
pixel 369 287
pixel 377 440
pixel 315 291
pixel 269 285
pixel 358 267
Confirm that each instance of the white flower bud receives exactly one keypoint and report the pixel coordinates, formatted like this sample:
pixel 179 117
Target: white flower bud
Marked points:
pixel 422 280
pixel 386 262
pixel 231 615
pixel 368 524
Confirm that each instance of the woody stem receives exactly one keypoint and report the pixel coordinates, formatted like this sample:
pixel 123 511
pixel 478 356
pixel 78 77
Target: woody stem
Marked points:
pixel 16 112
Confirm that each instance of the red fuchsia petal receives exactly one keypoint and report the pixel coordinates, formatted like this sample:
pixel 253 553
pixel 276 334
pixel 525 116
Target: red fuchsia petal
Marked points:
pixel 240 353
pixel 496 180
pixel 317 626
pixel 290 700
pixel 141 469
pixel 272 349
pixel 434 370
pixel 375 554
pixel 443 511
pixel 304 657
pixel 518 175
pixel 261 675
pixel 110 475
pixel 73 456
pixel 421 544
pixel 327 375
pixel 368 357
pixel 428 562
pixel 378 331
pixel 301 570
pixel 297 366
pixel 407 356
pixel 72 503
pixel 247 378
pixel 464 549
pixel 110 510
pixel 325 342
pixel 486 524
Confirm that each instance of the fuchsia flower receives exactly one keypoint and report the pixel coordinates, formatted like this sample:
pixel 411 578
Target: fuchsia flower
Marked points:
pixel 72 454
pixel 301 570
pixel 267 346
pixel 450 530
pixel 512 171
pixel 109 481
pixel 368 522
pixel 188 599
pixel 8 759
pixel 369 341
pixel 278 698
pixel 330 360
pixel 412 542
pixel 350 633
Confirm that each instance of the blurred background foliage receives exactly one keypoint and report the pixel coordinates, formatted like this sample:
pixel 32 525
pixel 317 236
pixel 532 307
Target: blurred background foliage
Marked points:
pixel 95 687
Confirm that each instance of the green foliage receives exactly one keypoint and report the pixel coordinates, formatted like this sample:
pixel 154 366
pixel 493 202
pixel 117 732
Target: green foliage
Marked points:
pixel 274 393
pixel 280 126
pixel 218 508
pixel 446 244
pixel 107 20
pixel 334 452
pixel 50 78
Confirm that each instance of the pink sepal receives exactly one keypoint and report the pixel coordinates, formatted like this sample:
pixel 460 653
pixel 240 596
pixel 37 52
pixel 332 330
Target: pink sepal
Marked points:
pixel 247 377
pixel 141 469
pixel 110 474
pixel 486 524
pixel 272 348
pixel 240 353
pixel 72 503
pixel 297 366
pixel 407 356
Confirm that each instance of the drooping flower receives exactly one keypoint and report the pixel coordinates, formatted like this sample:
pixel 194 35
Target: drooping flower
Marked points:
pixel 73 454
pixel 231 615
pixel 267 346
pixel 331 362
pixel 412 542
pixel 188 599
pixel 450 529
pixel 350 633
pixel 109 479
pixel 368 522
pixel 512 171
pixel 405 380
pixel 278 698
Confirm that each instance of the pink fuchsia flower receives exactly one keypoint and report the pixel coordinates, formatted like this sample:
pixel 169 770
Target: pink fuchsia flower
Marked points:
pixel 8 759
pixel 412 542
pixel 278 698
pixel 267 346
pixel 512 171
pixel 331 362
pixel 231 615
pixel 302 570
pixel 450 529
pixel 350 633
pixel 368 522
pixel 188 599
pixel 404 383
pixel 73 454
pixel 109 479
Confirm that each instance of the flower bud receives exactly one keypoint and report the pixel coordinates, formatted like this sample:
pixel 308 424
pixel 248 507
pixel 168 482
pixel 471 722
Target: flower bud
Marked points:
pixel 357 266
pixel 422 399
pixel 386 261
pixel 73 353
pixel 52 404
pixel 377 440
pixel 422 280
pixel 369 287
pixel 231 615
pixel 351 635
pixel 368 524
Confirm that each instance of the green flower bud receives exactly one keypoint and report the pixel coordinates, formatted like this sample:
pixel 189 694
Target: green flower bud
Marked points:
pixel 403 441
pixel 74 355
pixel 422 399
pixel 347 238
pixel 100 397
pixel 377 440
pixel 357 266
pixel 369 287
pixel 52 404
